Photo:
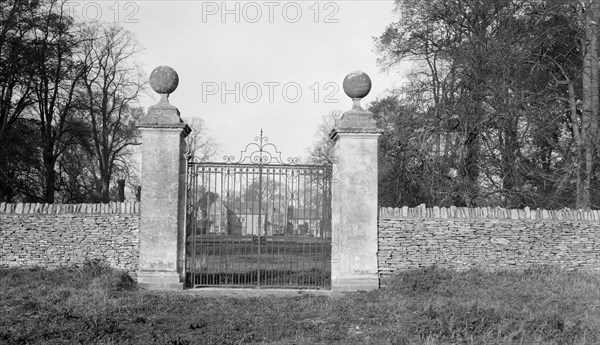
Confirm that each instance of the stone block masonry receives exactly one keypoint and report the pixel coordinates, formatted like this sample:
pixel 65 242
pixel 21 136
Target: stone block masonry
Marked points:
pixel 54 235
pixel 49 236
pixel 487 238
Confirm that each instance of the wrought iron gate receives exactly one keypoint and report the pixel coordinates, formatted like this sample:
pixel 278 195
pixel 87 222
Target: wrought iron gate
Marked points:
pixel 258 222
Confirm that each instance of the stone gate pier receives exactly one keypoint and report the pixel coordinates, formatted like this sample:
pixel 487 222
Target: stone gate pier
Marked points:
pixel 162 216
pixel 354 193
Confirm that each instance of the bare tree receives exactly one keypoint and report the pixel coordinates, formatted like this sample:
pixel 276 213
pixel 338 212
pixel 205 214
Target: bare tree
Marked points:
pixel 57 74
pixel 15 58
pixel 16 88
pixel 505 106
pixel 320 149
pixel 112 86
pixel 200 146
pixel 589 117
pixel 570 57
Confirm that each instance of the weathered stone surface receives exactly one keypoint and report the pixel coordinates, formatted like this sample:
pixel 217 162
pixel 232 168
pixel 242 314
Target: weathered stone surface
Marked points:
pixel 503 239
pixel 162 218
pixel 354 194
pixel 354 218
pixel 357 119
pixel 50 239
pixel 159 281
pixel 164 80
pixel 357 84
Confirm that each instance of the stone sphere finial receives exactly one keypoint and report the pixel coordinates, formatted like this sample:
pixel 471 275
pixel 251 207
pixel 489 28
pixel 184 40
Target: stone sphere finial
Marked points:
pixel 164 80
pixel 357 85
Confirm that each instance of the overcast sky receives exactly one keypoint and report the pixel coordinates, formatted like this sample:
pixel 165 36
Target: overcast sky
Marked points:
pixel 243 65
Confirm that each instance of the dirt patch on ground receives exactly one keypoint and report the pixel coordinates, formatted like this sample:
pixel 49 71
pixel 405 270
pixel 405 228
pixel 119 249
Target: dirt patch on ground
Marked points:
pixel 243 293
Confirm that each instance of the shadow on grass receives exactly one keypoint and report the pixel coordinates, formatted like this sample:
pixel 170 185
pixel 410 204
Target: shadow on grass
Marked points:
pixel 313 278
pixel 95 304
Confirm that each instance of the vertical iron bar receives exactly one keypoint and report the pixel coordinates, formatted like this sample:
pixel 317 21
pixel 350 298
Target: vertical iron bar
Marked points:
pixel 323 227
pixel 217 220
pixel 192 234
pixel 311 247
pixel 260 163
pixel 267 264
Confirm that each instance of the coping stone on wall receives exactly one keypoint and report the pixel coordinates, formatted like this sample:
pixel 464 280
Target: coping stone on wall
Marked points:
pixel 37 208
pixel 421 211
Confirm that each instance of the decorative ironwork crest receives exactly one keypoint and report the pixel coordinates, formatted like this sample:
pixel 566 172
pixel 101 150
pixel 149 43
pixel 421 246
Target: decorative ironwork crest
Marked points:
pixel 261 151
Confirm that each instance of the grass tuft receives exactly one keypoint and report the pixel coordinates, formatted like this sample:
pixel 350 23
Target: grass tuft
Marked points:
pixel 95 304
pixel 417 282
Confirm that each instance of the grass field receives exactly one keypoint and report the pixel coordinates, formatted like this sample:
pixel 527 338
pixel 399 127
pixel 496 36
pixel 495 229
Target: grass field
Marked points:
pixel 97 305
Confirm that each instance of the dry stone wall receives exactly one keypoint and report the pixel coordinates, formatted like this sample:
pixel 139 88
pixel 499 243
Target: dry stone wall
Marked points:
pixel 53 235
pixel 488 238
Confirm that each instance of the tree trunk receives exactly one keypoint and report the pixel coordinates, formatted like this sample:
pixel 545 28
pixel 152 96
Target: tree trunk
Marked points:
pixel 507 138
pixel 105 192
pixel 50 177
pixel 589 116
pixel 471 168
pixel 121 184
pixel 583 195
